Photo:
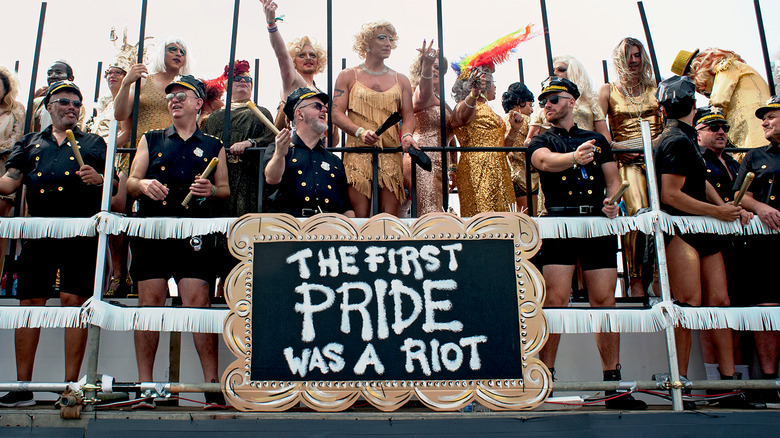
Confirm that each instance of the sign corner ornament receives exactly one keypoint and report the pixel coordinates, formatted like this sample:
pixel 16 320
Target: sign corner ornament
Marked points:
pixel 325 312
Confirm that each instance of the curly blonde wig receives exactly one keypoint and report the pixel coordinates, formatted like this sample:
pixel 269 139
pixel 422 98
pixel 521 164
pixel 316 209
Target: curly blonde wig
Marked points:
pixel 295 46
pixel 11 86
pixel 702 70
pixel 368 31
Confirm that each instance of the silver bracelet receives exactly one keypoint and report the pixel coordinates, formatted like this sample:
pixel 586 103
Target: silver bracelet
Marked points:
pixel 426 77
pixel 470 106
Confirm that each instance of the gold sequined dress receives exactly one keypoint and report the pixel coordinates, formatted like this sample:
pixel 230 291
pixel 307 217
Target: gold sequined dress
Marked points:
pixel 369 109
pixel 517 158
pixel 624 115
pixel 484 180
pixel 428 134
pixel 739 90
pixel 152 114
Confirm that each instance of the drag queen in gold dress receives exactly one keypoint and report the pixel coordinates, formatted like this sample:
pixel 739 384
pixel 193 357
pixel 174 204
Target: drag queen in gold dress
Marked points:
pixel 483 178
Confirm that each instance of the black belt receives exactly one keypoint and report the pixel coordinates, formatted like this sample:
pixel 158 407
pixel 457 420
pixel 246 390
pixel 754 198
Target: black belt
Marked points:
pixel 582 210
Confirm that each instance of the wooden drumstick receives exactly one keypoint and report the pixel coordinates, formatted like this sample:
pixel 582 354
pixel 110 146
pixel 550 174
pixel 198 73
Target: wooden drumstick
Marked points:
pixel 74 146
pixel 622 189
pixel 252 107
pixel 742 190
pixel 210 168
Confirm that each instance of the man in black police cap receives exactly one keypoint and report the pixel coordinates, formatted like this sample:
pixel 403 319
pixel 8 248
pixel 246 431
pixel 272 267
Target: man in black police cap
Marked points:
pixel 763 199
pixel 56 187
pixel 166 168
pixel 306 178
pixel 579 175
pixel 684 190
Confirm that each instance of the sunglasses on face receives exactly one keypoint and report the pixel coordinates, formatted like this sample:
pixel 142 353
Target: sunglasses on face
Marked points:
pixel 317 105
pixel 180 96
pixel 716 128
pixel 114 73
pixel 174 49
pixel 65 102
pixel 242 79
pixel 552 99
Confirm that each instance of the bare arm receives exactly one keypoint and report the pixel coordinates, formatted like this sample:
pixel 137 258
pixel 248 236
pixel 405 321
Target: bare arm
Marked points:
pixel 11 181
pixel 768 215
pixel 601 128
pixel 672 194
pixel 341 90
pixel 274 170
pixel 408 122
pixel 548 161
pixel 604 99
pixel 123 102
pixel 291 80
pixel 137 185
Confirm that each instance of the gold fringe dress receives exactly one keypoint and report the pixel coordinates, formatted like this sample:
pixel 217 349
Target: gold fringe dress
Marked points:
pixel 369 109
pixel 484 180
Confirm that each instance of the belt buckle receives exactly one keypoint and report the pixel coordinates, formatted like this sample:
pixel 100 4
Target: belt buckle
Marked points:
pixel 308 212
pixel 584 209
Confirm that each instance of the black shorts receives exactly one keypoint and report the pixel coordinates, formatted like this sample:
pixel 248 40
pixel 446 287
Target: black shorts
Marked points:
pixel 177 258
pixel 592 253
pixel 704 244
pixel 41 258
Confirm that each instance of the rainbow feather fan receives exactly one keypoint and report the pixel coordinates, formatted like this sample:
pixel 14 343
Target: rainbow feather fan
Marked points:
pixel 496 52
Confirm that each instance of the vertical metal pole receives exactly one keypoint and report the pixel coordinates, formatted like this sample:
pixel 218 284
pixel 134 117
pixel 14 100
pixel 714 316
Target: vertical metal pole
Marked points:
pixel 650 46
pixel 261 182
pixel 663 273
pixel 520 71
pixel 442 112
pixel 547 47
pixel 770 80
pixel 16 67
pixel 30 98
pixel 343 134
pixel 97 86
pixel 329 18
pixel 257 80
pixel 414 190
pixel 93 342
pixel 605 68
pixel 137 92
pixel 229 85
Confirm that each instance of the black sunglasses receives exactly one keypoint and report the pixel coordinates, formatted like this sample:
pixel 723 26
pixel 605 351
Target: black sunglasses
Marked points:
pixel 65 102
pixel 317 105
pixel 552 99
pixel 180 96
pixel 242 79
pixel 717 127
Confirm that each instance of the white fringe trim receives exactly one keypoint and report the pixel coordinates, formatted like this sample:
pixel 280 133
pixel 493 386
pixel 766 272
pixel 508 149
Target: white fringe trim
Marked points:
pixel 37 227
pixel 43 317
pixel 162 227
pixel 587 320
pixel 166 319
pixel 584 227
pixel 738 318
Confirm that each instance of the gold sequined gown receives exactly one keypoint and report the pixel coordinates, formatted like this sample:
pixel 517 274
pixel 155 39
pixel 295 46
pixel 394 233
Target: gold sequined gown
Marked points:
pixel 483 178
pixel 429 184
pixel 739 90
pixel 517 158
pixel 152 114
pixel 369 109
pixel 624 123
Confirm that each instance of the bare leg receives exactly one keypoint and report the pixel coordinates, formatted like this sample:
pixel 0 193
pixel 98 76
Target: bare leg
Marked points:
pixel 388 203
pixel 685 281
pixel 558 281
pixel 360 203
pixel 151 293
pixel 715 293
pixel 601 292
pixel 195 293
pixel 75 340
pixel 26 344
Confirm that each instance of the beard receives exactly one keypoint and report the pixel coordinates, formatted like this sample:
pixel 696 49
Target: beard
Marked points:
pixel 316 124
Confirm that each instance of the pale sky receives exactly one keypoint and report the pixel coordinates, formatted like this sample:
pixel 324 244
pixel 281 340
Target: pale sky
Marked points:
pixel 78 30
